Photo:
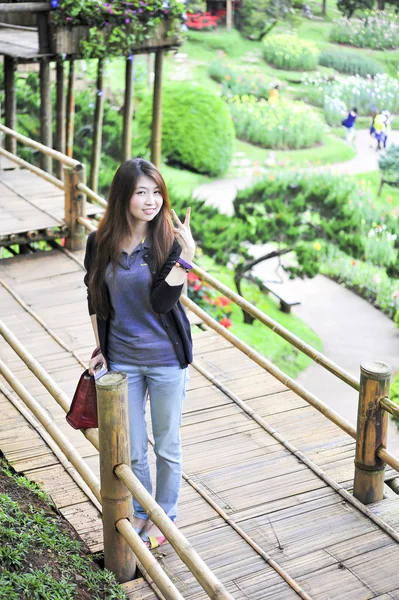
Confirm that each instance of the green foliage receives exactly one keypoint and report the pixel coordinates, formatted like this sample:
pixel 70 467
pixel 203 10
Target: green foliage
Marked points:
pixel 196 6
pixel 389 164
pixel 197 131
pixel 238 81
pixel 258 16
pixel 29 533
pixel 114 29
pixel 284 125
pixel 334 111
pixel 290 52
pixel 348 7
pixel 368 281
pixel 379 31
pixel 350 63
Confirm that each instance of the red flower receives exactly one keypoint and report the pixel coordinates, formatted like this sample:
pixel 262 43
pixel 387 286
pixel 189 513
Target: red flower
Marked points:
pixel 197 287
pixel 354 263
pixel 192 277
pixel 223 301
pixel 226 322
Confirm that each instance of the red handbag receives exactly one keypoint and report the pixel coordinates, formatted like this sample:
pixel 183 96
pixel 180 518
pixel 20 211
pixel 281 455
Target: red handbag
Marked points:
pixel 83 411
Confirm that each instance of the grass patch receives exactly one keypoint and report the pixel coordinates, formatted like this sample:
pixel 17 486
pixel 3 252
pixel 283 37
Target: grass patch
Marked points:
pixel 389 198
pixel 41 556
pixel 257 335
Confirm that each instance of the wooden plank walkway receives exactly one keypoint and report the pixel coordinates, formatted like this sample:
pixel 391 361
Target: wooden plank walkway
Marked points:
pixel 30 203
pixel 331 549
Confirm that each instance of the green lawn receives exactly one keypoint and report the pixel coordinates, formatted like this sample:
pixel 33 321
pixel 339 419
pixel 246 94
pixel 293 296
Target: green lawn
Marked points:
pixel 257 335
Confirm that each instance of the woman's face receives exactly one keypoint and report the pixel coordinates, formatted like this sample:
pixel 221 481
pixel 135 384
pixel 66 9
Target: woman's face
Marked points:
pixel 146 201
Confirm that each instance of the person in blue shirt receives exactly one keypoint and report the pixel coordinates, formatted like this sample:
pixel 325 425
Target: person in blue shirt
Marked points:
pixel 349 124
pixel 136 265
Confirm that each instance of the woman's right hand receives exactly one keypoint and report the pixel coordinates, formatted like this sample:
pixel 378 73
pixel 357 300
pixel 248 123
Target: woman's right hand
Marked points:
pixel 94 362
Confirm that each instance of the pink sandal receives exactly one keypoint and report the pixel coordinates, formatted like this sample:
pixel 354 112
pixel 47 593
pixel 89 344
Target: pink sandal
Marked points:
pixel 154 541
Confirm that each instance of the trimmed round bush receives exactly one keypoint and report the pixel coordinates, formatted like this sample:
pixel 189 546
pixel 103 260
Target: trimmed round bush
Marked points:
pixel 197 129
pixel 290 53
pixel 280 126
pixel 350 63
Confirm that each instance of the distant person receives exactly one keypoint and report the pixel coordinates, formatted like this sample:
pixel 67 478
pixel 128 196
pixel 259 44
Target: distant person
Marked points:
pixel 274 95
pixel 349 124
pixel 382 127
pixel 373 117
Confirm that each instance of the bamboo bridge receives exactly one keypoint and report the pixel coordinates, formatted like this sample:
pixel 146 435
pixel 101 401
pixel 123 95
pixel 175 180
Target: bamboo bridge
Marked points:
pixel 267 508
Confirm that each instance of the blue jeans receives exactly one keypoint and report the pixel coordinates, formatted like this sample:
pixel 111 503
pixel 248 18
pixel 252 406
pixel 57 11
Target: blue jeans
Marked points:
pixel 167 390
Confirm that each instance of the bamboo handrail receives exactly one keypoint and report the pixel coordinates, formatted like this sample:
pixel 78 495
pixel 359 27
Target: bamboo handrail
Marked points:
pixel 271 368
pixel 36 170
pixel 150 563
pixel 70 162
pixel 182 546
pixel 87 223
pixel 314 354
pixel 389 406
pixel 93 195
pixel 23 393
pixel 384 454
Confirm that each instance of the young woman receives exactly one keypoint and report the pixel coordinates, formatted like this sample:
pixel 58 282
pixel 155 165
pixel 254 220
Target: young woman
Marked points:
pixel 136 266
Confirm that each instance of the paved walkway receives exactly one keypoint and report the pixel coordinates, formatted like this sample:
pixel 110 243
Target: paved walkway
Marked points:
pixel 352 330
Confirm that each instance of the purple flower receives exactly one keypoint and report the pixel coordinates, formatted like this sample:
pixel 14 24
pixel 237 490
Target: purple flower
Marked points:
pixel 127 21
pixel 130 57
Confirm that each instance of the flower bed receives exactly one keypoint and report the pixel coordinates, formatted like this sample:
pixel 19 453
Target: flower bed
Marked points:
pixel 290 53
pixel 382 91
pixel 237 82
pixel 379 31
pixel 285 125
pixel 349 62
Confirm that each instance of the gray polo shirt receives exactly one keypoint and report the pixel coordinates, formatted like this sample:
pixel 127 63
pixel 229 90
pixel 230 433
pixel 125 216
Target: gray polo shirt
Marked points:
pixel 136 334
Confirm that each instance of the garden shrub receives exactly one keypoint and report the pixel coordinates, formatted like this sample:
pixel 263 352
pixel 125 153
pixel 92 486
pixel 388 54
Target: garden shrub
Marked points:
pixel 350 63
pixel 197 130
pixel 256 16
pixel 239 82
pixel 290 53
pixel 389 164
pixel 377 31
pixel 285 125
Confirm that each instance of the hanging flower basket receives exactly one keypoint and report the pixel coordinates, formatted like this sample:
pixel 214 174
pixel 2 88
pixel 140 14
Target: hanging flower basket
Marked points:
pixel 71 40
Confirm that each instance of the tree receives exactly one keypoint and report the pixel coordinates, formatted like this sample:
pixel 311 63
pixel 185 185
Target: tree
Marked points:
pixel 348 7
pixel 258 17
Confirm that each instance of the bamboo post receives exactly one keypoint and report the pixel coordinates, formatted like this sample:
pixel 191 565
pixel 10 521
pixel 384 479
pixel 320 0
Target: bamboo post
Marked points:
pixel 156 134
pixel 113 430
pixel 10 101
pixel 97 128
pixel 45 113
pixel 75 207
pixel 128 110
pixel 60 116
pixel 372 427
pixel 70 120
pixel 229 15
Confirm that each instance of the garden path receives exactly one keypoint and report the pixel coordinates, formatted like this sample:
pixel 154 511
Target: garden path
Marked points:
pixel 350 328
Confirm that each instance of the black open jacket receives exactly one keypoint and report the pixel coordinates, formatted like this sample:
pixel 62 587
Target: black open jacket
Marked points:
pixel 164 300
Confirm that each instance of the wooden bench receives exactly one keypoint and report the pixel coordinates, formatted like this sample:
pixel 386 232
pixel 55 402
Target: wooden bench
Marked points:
pixel 280 291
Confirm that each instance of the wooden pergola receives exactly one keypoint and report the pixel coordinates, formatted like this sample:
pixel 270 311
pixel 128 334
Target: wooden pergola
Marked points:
pixel 27 35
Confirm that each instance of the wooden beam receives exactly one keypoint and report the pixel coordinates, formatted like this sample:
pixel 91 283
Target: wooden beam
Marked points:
pixel 116 499
pixel 97 128
pixel 60 116
pixel 70 117
pixel 128 111
pixel 156 134
pixel 25 7
pixel 229 15
pixel 10 104
pixel 75 206
pixel 46 136
pixel 372 427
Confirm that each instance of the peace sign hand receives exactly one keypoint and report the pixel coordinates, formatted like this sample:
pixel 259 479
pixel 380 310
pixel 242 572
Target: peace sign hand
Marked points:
pixel 183 234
